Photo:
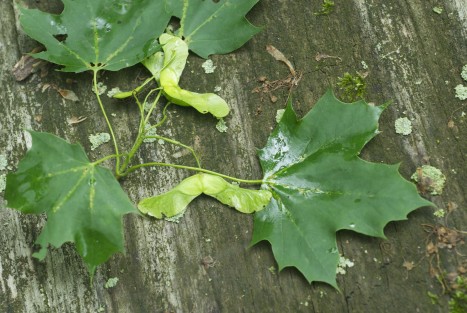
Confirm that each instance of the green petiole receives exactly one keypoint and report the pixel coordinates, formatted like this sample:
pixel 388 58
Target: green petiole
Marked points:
pixel 109 125
pixel 196 169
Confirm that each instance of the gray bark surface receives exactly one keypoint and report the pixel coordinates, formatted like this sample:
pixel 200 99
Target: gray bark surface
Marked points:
pixel 414 58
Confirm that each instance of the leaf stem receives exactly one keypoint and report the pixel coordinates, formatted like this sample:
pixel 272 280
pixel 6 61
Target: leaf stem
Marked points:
pixel 178 143
pixel 182 20
pixel 196 169
pixel 109 125
pixel 154 103
pixel 97 162
pixel 141 133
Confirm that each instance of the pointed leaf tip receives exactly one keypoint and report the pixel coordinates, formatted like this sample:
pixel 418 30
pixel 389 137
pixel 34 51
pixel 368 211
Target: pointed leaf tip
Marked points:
pixel 320 186
pixel 214 27
pixel 94 35
pixel 83 202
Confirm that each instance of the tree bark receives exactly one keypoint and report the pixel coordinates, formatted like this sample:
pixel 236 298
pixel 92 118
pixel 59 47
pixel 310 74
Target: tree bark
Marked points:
pixel 411 55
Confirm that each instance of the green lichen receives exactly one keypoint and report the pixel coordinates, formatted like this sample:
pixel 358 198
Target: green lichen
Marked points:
pixel 112 92
pixel 2 182
pixel 149 132
pixel 3 162
pixel 438 10
pixel 111 282
pixel 458 302
pixel 439 213
pixel 430 179
pixel 326 8
pixel 208 66
pixel 461 92
pixel 403 126
pixel 464 73
pixel 343 264
pixel 272 269
pixel 353 87
pixel 98 139
pixel 176 218
pixel 221 126
pixel 101 88
pixel 433 297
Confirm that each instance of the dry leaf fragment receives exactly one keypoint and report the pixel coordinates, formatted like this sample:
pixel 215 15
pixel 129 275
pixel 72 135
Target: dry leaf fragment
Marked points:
pixel 431 248
pixel 208 262
pixel 68 94
pixel 279 56
pixel 28 65
pixel 451 206
pixel 45 87
pixel 75 120
pixel 65 93
pixel 409 265
pixel 322 56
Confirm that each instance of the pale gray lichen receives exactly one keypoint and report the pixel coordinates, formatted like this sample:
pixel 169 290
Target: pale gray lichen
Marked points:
pixel 364 65
pixel 2 182
pixel 403 126
pixel 279 115
pixel 430 179
pixel 111 282
pixel 217 88
pixel 221 126
pixel 464 73
pixel 208 66
pixel 439 213
pixel 101 88
pixel 149 132
pixel 176 218
pixel 343 264
pixel 3 162
pixel 113 92
pixel 98 139
pixel 461 92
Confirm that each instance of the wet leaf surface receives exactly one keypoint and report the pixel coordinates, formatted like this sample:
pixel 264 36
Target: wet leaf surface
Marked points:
pixel 320 186
pixel 83 202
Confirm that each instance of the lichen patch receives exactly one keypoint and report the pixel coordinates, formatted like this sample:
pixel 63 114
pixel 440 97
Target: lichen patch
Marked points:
pixel 98 139
pixel 403 126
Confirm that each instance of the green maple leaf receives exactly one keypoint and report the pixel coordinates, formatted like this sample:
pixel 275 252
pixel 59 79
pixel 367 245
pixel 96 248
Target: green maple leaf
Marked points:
pixel 213 27
pixel 320 186
pixel 98 34
pixel 84 203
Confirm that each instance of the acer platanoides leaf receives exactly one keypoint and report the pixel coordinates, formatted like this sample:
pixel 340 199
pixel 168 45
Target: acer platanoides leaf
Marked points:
pixel 84 203
pixel 213 27
pixel 97 34
pixel 320 186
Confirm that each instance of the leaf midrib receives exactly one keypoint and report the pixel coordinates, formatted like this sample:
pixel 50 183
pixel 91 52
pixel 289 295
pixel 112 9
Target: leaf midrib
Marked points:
pixel 209 19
